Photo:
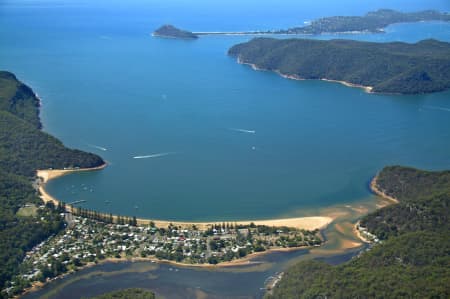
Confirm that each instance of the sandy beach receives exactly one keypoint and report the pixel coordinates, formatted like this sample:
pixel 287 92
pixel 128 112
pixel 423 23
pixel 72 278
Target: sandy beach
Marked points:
pixel 49 174
pixel 358 233
pixel 367 89
pixel 374 188
pixel 377 191
pixel 307 223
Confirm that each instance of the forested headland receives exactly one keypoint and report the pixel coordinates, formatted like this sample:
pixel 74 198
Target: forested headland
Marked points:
pixel 411 261
pixel 24 148
pixel 394 67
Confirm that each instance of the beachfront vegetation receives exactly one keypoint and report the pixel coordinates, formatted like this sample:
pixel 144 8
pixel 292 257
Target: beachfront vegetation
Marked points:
pixel 23 149
pixel 373 21
pixel 127 294
pixel 394 67
pixel 411 260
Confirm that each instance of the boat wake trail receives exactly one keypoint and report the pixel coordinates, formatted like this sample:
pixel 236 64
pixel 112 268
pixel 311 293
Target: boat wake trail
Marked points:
pixel 243 130
pixel 98 147
pixel 437 108
pixel 153 155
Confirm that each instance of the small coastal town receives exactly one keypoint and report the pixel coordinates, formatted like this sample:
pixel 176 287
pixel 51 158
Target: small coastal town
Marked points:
pixel 87 241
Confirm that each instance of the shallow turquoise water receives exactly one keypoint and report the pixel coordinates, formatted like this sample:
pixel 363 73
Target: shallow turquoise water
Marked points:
pixel 107 84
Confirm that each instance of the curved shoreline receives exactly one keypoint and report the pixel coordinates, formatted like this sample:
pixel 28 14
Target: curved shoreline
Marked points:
pixel 377 191
pixel 49 174
pixel 374 188
pixel 307 223
pixel 358 233
pixel 367 89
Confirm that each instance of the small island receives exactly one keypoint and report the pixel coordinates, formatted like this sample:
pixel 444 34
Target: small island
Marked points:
pixel 169 31
pixel 395 67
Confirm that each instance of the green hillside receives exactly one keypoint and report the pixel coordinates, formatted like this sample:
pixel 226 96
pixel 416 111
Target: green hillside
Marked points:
pixel 394 67
pixel 18 99
pixel 424 202
pixel 24 148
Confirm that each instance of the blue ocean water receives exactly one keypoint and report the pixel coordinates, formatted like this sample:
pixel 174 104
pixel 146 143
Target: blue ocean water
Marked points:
pixel 225 142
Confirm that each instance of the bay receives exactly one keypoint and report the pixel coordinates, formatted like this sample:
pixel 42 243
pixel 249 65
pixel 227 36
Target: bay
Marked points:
pixel 108 87
pixel 221 141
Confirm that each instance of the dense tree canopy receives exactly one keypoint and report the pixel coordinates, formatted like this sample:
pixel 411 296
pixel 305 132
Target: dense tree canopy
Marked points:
pixel 394 67
pixel 424 202
pixel 18 99
pixel 24 148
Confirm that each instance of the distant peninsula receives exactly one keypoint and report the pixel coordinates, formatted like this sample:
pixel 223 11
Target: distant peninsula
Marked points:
pixel 371 22
pixel 170 31
pixel 374 22
pixel 394 67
